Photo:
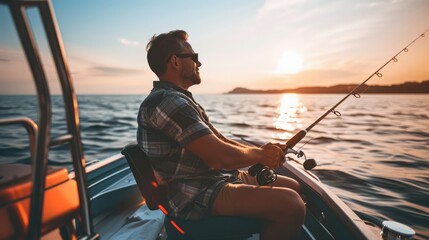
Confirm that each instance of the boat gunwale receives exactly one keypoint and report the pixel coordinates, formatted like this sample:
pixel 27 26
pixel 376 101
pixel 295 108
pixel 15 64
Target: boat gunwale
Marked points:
pixel 343 212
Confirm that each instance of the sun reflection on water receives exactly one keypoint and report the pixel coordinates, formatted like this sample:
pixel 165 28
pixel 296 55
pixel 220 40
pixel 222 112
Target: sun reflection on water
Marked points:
pixel 289 110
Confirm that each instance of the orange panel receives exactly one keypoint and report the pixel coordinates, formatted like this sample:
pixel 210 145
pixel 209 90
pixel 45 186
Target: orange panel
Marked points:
pixel 61 204
pixel 15 181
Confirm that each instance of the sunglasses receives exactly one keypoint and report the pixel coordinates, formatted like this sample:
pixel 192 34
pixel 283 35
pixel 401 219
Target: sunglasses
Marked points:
pixel 193 56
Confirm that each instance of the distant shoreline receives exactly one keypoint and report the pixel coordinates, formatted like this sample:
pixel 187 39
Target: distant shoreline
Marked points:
pixel 407 87
pixel 403 88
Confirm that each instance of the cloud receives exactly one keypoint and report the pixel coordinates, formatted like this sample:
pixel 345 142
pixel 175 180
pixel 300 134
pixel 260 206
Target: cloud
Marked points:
pixel 278 8
pixel 325 74
pixel 90 73
pixel 113 71
pixel 16 76
pixel 85 63
pixel 127 42
pixel 317 77
pixel 13 68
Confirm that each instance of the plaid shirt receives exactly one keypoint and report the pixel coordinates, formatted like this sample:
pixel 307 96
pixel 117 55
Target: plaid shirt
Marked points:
pixel 169 118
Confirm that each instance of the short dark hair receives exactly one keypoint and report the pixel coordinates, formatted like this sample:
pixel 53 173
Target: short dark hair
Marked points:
pixel 160 48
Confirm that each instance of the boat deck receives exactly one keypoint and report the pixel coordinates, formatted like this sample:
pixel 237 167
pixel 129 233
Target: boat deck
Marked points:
pixel 128 216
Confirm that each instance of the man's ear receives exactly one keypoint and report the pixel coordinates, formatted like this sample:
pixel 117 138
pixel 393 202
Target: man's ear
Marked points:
pixel 175 63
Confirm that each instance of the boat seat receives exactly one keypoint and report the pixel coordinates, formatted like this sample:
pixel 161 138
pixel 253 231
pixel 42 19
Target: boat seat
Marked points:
pixel 216 227
pixel 60 205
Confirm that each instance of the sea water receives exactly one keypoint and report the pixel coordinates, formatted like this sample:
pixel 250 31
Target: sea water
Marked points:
pixel 375 156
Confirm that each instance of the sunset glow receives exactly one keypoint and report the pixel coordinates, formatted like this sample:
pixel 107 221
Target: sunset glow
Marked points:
pixel 290 63
pixel 289 109
pixel 258 44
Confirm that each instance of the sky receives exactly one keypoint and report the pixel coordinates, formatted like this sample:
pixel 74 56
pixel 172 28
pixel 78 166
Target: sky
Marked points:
pixel 256 44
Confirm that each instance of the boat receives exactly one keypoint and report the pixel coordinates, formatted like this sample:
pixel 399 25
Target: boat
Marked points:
pixel 101 199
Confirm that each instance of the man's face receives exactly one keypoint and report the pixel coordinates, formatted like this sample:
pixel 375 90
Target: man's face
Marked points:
pixel 190 69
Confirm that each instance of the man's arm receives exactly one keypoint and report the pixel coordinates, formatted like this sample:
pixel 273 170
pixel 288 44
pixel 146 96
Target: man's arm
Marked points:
pixel 230 141
pixel 227 140
pixel 220 154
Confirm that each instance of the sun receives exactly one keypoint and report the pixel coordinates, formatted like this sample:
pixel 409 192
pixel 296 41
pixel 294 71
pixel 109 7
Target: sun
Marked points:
pixel 290 62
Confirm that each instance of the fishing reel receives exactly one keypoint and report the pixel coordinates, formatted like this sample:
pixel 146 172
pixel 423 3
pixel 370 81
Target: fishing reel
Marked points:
pixel 263 174
pixel 309 163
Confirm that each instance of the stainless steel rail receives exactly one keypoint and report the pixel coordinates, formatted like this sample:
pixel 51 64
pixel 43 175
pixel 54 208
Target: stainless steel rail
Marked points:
pixel 31 128
pixel 18 10
pixel 72 114
pixel 42 143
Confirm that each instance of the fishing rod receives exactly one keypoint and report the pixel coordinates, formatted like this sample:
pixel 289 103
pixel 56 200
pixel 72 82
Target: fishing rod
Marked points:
pixel 264 175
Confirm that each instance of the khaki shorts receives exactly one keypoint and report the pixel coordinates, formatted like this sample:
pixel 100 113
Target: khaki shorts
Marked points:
pixel 225 194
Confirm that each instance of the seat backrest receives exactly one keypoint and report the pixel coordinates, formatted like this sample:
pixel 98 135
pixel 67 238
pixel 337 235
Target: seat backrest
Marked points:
pixel 141 168
pixel 226 227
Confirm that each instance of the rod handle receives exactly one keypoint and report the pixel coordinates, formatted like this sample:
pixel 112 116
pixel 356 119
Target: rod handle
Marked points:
pixel 296 139
pixel 255 169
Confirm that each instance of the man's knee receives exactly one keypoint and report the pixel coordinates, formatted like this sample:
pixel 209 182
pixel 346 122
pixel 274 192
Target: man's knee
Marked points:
pixel 287 182
pixel 290 207
pixel 296 186
pixel 299 209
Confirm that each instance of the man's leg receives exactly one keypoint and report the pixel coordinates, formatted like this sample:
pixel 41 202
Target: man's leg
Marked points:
pixel 281 207
pixel 282 181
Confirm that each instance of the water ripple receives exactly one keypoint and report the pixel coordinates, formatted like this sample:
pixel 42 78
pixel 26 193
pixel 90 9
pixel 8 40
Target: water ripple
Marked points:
pixel 375 156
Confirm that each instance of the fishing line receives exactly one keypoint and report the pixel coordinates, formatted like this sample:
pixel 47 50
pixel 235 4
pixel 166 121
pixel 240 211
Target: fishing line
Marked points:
pixel 355 92
pixel 259 169
pixel 304 144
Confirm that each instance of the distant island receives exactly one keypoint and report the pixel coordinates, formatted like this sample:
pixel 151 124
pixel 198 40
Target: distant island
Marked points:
pixel 407 87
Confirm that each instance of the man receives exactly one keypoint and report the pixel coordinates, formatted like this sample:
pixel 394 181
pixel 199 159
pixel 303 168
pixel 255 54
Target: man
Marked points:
pixel 190 155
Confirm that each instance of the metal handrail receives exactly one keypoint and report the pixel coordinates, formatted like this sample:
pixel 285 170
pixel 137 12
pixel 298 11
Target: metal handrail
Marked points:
pixel 72 114
pixel 43 137
pixel 18 10
pixel 30 126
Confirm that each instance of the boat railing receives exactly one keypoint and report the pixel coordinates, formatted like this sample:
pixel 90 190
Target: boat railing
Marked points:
pixel 30 126
pixel 42 135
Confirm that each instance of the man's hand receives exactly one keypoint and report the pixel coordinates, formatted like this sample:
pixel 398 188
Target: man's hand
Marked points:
pixel 219 154
pixel 273 155
pixel 281 145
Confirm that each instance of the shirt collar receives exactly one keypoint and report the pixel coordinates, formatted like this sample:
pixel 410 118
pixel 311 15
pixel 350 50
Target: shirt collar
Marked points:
pixel 167 85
